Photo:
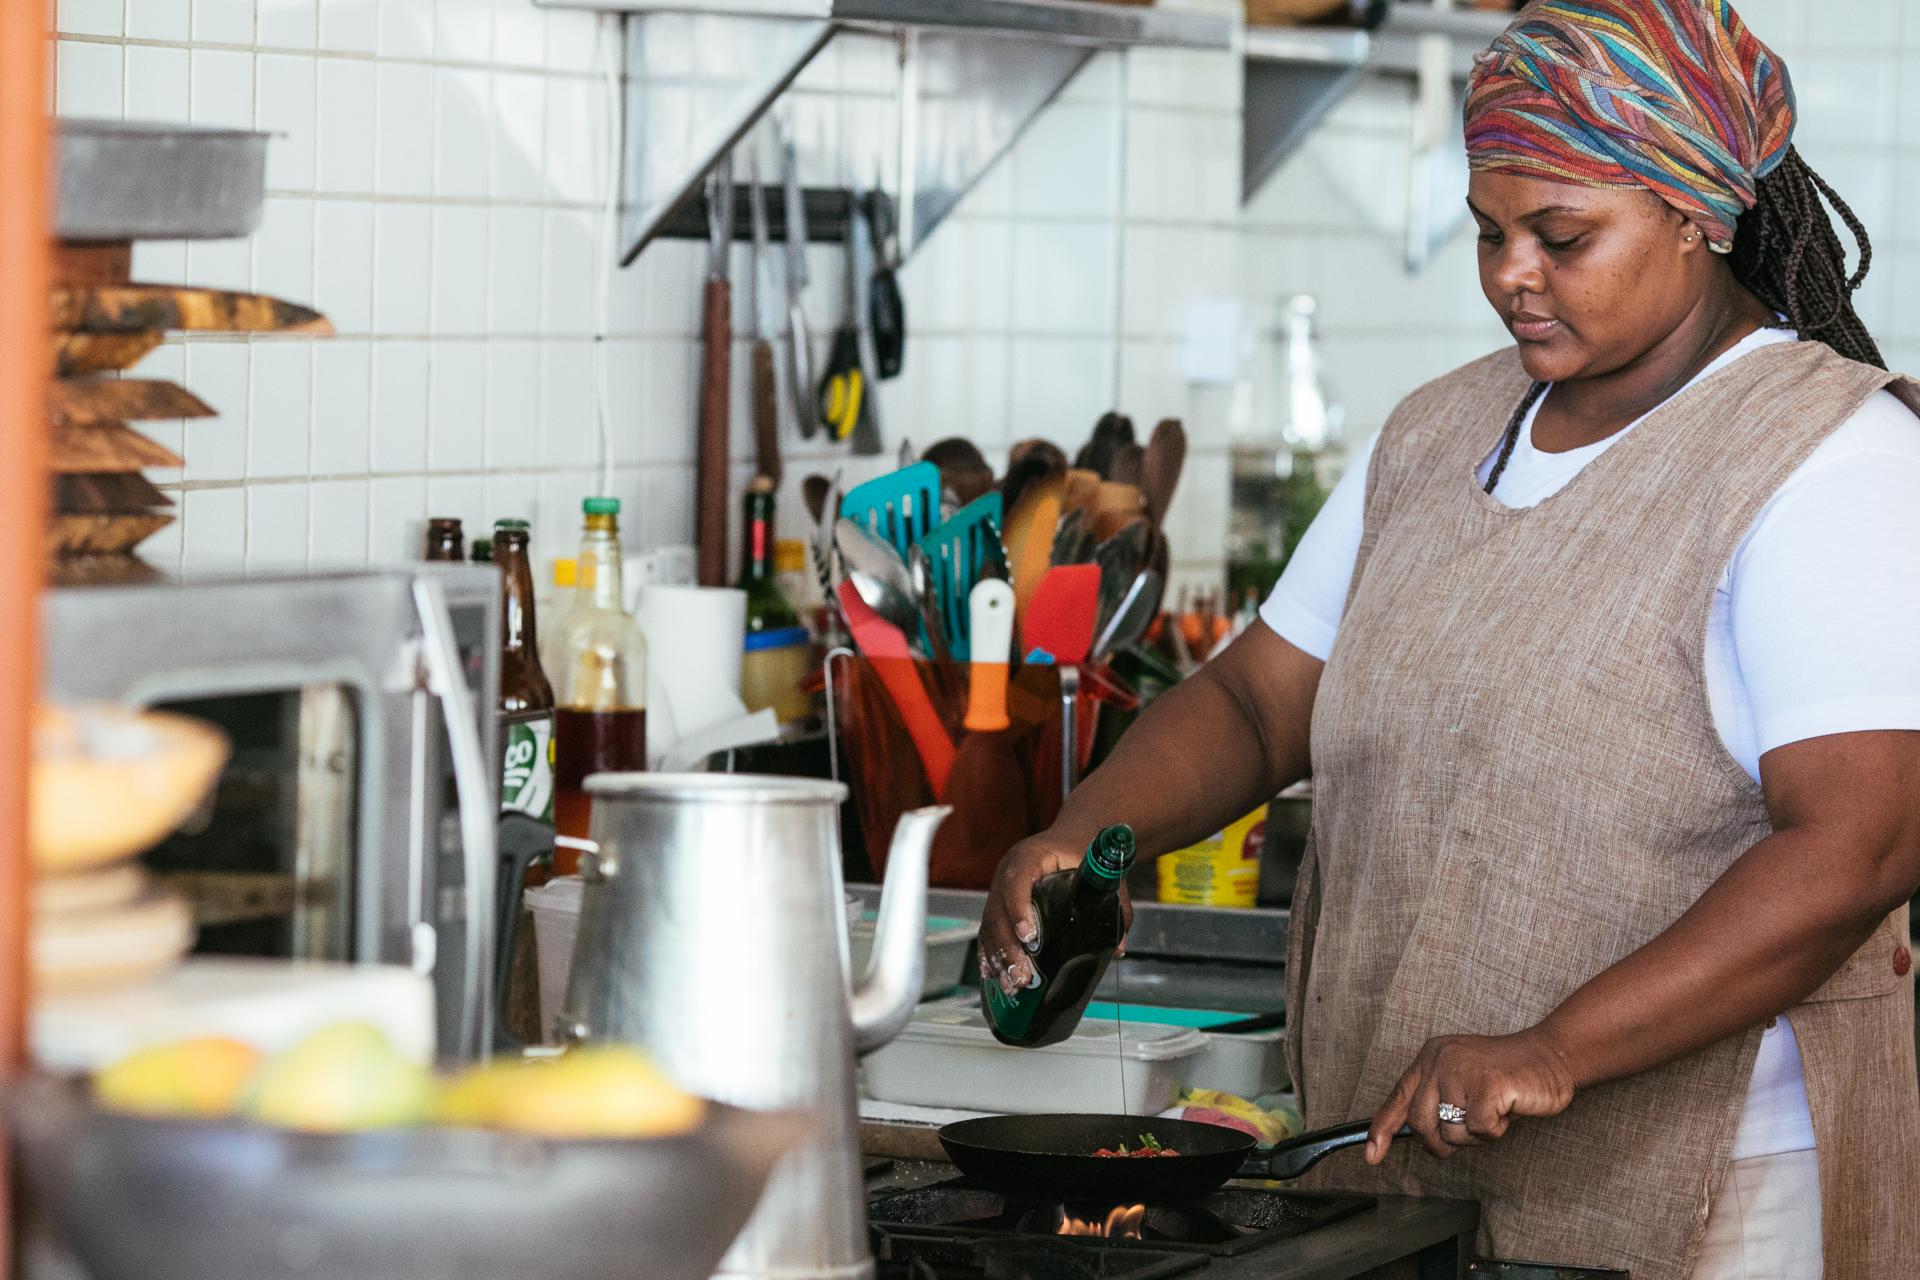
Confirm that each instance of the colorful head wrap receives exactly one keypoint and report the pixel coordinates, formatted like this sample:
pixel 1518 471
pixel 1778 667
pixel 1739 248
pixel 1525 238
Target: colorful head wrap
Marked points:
pixel 1677 96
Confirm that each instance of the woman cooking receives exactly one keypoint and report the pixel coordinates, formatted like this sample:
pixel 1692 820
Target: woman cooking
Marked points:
pixel 1605 661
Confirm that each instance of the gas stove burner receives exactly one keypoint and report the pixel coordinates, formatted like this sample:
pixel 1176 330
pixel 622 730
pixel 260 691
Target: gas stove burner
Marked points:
pixel 1225 1223
pixel 914 1257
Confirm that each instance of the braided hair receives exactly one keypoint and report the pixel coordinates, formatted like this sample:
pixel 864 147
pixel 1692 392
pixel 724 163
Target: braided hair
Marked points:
pixel 1787 254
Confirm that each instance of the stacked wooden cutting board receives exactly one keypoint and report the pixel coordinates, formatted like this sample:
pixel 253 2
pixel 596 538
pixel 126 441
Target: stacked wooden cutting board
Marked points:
pixel 104 324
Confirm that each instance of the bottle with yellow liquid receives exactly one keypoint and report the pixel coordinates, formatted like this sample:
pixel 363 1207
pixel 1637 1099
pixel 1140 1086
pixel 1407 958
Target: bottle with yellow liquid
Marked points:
pixel 599 679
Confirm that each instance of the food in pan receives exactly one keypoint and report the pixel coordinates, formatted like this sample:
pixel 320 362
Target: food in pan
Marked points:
pixel 1149 1147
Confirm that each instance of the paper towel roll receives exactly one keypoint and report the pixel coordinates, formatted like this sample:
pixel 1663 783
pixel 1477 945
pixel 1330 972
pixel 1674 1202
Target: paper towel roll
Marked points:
pixel 694 640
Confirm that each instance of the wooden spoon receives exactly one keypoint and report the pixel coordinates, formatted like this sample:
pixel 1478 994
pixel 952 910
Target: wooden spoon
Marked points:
pixel 1160 468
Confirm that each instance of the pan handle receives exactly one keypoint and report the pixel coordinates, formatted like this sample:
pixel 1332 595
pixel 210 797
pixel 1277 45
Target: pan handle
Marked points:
pixel 1290 1159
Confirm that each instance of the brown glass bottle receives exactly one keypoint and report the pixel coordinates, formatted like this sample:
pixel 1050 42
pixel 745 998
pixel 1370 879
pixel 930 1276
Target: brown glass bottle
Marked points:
pixel 526 696
pixel 445 541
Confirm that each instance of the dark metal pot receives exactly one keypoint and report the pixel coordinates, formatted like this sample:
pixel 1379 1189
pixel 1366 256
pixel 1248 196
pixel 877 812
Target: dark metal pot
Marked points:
pixel 161 1199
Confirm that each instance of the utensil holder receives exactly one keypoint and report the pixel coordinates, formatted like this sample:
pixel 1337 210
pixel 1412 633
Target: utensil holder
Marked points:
pixel 876 756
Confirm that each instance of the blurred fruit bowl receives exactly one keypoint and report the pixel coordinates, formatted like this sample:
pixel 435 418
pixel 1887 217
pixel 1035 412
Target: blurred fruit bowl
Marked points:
pixel 157 1198
pixel 108 782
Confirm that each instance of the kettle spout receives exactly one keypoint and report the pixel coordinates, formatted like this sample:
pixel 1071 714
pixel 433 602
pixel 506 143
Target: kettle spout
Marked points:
pixel 883 1001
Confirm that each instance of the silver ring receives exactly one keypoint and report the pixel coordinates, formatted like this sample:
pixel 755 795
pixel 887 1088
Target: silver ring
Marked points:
pixel 1450 1114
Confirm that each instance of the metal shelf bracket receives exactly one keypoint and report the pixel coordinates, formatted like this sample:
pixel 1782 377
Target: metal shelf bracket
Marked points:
pixel 1295 75
pixel 973 75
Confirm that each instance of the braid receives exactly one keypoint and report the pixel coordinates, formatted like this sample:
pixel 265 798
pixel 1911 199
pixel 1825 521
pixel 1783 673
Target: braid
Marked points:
pixel 1788 255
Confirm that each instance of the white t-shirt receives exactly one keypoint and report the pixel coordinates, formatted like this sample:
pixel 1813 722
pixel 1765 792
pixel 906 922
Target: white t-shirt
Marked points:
pixel 1813 629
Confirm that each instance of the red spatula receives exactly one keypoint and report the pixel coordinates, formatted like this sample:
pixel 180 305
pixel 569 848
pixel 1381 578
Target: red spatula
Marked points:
pixel 885 648
pixel 1060 620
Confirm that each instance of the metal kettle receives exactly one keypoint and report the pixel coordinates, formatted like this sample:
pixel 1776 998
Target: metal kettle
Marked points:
pixel 713 934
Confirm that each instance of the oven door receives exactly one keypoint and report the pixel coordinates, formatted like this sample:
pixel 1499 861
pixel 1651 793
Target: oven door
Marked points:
pixel 355 820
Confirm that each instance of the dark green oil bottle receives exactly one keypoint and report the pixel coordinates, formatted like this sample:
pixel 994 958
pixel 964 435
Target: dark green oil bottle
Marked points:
pixel 1078 913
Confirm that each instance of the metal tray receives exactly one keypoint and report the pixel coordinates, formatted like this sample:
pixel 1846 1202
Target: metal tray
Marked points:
pixel 129 180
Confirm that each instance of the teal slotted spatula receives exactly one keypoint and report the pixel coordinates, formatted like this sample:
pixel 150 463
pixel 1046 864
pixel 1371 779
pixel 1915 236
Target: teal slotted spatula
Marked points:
pixel 900 508
pixel 962 551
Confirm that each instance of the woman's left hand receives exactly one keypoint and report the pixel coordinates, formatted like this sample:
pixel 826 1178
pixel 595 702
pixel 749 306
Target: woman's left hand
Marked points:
pixel 1491 1078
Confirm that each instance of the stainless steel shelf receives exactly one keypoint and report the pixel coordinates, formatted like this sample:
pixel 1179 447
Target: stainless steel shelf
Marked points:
pixel 973 75
pixel 1083 22
pixel 1296 75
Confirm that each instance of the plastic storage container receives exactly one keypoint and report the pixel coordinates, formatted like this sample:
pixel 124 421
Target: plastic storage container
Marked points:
pixel 947 943
pixel 1246 1064
pixel 948 1058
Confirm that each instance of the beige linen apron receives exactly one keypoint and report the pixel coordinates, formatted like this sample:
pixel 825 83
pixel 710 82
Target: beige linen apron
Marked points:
pixel 1517 782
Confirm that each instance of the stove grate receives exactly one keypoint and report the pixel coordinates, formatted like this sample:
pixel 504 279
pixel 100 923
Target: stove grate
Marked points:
pixel 1225 1223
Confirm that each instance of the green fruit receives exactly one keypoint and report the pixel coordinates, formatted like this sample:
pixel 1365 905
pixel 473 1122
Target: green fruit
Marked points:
pixel 343 1077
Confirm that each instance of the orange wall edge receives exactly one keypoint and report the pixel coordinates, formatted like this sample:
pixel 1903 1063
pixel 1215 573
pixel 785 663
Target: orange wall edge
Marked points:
pixel 25 253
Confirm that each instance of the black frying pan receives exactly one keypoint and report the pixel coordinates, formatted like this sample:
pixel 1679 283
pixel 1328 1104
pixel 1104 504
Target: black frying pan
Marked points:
pixel 1051 1156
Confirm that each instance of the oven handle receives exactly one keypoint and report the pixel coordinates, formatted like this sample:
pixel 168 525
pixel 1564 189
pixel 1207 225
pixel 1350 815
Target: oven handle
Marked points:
pixel 472 791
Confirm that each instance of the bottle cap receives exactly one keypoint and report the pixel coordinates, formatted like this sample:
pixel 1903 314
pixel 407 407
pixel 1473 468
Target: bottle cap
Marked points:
pixel 789 556
pixel 600 506
pixel 482 551
pixel 1110 855
pixel 565 571
pixel 510 525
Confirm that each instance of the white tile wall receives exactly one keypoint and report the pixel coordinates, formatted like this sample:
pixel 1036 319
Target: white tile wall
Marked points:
pixel 434 185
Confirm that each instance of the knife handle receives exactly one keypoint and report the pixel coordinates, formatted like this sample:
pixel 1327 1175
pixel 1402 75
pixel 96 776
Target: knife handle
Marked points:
pixel 710 493
pixel 766 411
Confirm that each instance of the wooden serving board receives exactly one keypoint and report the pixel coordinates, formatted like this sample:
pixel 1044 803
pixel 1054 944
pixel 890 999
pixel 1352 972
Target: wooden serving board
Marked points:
pixel 85 400
pixel 106 493
pixel 73 534
pixel 131 308
pixel 105 446
pixel 83 353
pixel 109 262
pixel 84 570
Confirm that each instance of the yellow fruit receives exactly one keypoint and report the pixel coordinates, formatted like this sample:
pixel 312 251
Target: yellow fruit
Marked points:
pixel 200 1077
pixel 472 1098
pixel 599 1092
pixel 340 1078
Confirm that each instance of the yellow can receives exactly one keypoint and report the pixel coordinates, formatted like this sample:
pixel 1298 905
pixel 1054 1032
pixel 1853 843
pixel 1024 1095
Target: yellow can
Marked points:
pixel 1223 871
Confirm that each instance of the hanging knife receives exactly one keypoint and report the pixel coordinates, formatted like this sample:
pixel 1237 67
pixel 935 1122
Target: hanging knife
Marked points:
pixel 886 310
pixel 866 429
pixel 766 323
pixel 799 350
pixel 710 466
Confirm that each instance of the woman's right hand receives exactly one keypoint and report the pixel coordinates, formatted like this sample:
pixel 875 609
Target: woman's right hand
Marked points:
pixel 1009 933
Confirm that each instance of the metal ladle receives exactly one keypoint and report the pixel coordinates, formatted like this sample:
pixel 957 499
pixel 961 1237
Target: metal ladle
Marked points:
pixel 884 582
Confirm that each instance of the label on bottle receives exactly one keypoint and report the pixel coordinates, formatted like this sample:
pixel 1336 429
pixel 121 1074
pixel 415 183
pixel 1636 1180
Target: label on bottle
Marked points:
pixel 526 776
pixel 1012 1015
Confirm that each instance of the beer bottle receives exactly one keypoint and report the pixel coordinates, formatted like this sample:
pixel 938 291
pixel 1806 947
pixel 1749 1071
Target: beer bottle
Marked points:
pixel 482 552
pixel 600 684
pixel 1079 918
pixel 444 539
pixel 526 698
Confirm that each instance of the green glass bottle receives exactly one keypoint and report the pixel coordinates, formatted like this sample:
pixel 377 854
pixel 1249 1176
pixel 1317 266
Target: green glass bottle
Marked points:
pixel 768 608
pixel 1078 914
